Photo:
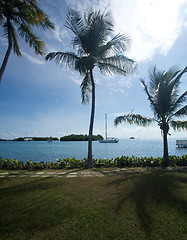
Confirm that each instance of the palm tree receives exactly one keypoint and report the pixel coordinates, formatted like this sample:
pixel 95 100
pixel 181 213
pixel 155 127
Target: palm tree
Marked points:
pixel 165 104
pixel 94 48
pixel 17 17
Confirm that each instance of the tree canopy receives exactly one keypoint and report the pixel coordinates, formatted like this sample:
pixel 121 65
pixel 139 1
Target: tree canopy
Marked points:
pixel 165 102
pixel 17 18
pixel 80 137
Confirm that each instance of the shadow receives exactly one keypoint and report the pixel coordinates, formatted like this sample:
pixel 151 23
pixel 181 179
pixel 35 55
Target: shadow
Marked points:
pixel 153 187
pixel 28 206
pixel 24 186
pixel 35 204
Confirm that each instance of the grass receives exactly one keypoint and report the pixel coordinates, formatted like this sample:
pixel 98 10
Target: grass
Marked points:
pixel 138 205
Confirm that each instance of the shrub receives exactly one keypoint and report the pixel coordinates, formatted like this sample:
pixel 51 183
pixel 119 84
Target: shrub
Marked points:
pixel 71 163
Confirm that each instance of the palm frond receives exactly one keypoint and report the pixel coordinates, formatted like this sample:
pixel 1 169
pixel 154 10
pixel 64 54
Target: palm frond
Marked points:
pixel 178 77
pixel 134 119
pixel 173 88
pixel 83 65
pixel 45 23
pixel 67 58
pixel 86 88
pixel 119 43
pixel 9 29
pixel 181 112
pixel 28 12
pixel 32 39
pixel 154 79
pixel 182 98
pixel 179 101
pixel 15 42
pixel 117 64
pixel 116 45
pixel 75 23
pixel 91 31
pixel 172 73
pixel 104 16
pixel 179 125
pixel 99 29
pixel 163 88
pixel 150 97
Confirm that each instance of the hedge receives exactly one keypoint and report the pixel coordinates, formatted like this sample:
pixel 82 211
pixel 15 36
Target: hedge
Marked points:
pixel 68 163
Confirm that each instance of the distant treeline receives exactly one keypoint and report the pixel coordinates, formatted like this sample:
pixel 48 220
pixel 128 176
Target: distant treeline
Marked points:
pixel 72 137
pixel 36 139
pixel 80 137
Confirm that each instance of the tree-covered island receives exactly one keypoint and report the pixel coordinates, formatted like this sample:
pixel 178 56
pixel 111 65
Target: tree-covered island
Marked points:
pixel 80 137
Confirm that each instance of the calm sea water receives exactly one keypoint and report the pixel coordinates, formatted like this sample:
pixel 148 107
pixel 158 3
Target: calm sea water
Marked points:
pixel 44 151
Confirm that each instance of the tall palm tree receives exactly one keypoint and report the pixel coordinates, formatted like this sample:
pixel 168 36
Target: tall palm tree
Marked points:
pixel 17 17
pixel 94 48
pixel 165 103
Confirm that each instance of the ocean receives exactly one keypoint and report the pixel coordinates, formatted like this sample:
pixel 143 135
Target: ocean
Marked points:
pixel 45 151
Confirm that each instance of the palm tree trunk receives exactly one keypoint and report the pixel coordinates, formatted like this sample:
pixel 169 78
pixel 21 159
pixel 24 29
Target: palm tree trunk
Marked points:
pixel 165 141
pixel 3 66
pixel 90 162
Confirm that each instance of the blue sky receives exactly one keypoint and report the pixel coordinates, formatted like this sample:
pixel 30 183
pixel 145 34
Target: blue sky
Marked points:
pixel 39 98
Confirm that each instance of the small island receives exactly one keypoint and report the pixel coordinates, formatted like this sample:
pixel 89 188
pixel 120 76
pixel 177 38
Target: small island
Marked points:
pixel 80 137
pixel 36 139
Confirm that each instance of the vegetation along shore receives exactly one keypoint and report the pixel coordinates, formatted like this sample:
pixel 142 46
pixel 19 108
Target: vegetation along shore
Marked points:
pixel 124 161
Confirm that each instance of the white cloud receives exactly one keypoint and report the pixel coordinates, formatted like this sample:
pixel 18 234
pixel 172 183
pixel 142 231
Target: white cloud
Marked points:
pixel 3 41
pixel 124 82
pixel 115 83
pixel 33 59
pixel 153 26
pixel 74 76
pixel 83 5
pixel 51 48
pixel 60 32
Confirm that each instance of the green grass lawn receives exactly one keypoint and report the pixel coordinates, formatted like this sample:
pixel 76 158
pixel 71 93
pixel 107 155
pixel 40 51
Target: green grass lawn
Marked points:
pixel 138 205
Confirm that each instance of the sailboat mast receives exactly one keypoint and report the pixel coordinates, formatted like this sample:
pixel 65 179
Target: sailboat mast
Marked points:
pixel 105 126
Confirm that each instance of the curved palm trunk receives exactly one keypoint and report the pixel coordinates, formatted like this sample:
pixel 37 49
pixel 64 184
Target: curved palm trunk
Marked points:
pixel 3 66
pixel 90 162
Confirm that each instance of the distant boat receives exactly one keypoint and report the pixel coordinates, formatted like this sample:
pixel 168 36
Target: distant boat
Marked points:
pixel 132 138
pixel 108 139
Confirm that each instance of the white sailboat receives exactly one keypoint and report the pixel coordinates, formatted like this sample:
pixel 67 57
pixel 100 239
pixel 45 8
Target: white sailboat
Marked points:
pixel 108 139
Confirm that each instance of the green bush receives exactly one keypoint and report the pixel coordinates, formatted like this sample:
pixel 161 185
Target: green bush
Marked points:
pixel 71 163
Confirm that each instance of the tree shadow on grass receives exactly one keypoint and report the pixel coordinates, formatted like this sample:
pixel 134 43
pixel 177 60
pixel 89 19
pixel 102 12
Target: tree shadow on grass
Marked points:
pixel 28 206
pixel 157 187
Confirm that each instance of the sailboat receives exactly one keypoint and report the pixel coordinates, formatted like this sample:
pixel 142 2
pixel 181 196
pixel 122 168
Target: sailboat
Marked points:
pixel 108 139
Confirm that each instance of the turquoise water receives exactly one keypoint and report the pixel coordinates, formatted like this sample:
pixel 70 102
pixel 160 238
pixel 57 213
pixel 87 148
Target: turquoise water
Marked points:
pixel 44 151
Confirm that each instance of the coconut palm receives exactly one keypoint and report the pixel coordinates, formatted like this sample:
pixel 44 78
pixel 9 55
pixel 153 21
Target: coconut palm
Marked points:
pixel 165 103
pixel 94 48
pixel 17 17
